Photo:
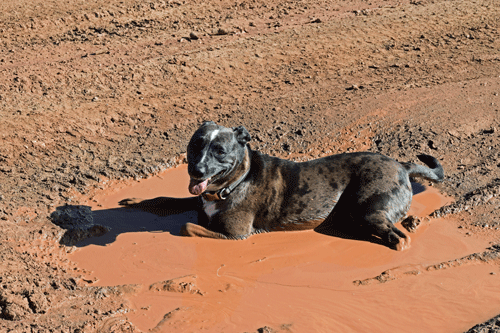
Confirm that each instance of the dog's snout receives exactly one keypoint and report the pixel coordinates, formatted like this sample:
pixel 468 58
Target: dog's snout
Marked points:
pixel 197 171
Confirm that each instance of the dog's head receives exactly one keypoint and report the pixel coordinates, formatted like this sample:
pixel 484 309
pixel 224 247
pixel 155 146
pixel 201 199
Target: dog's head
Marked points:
pixel 213 152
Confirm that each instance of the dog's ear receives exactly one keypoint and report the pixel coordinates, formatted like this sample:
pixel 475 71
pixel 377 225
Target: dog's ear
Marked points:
pixel 241 134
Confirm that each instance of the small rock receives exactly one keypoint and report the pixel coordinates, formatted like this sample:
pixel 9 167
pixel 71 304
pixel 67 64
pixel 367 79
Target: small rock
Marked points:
pixel 14 306
pixel 221 32
pixel 95 99
pixel 193 36
pixel 454 133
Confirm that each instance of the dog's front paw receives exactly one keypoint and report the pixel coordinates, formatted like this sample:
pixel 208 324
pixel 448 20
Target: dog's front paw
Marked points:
pixel 396 239
pixel 403 244
pixel 130 201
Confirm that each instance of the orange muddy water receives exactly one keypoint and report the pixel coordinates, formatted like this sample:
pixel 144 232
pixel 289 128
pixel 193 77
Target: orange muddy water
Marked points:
pixel 291 281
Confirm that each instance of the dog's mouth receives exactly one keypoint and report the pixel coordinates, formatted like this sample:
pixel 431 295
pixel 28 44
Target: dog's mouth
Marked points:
pixel 197 187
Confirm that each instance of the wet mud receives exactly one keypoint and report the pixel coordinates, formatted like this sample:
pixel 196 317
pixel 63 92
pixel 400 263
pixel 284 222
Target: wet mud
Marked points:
pixel 298 280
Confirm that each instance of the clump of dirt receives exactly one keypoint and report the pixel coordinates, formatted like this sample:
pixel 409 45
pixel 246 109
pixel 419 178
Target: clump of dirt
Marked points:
pixel 183 284
pixel 479 196
pixel 78 223
pixel 411 223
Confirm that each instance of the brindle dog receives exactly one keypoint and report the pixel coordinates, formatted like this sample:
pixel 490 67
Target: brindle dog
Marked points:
pixel 240 192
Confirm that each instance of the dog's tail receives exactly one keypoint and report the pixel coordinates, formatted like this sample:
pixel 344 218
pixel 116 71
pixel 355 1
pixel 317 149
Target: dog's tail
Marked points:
pixel 433 171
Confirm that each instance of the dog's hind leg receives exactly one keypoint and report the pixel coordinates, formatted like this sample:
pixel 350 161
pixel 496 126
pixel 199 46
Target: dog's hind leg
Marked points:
pixel 391 236
pixel 195 230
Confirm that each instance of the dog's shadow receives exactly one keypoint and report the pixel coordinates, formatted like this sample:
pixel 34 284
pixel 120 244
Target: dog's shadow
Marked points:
pixel 83 226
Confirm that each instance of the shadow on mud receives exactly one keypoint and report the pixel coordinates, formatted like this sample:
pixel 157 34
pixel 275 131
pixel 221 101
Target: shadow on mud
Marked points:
pixel 417 188
pixel 82 226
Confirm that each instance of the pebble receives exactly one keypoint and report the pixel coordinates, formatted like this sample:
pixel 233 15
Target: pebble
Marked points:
pixel 193 36
pixel 220 32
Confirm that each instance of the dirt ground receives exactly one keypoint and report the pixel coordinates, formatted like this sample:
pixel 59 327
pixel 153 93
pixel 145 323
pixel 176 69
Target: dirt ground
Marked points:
pixel 93 91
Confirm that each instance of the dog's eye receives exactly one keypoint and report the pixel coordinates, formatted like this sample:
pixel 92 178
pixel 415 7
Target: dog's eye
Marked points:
pixel 219 151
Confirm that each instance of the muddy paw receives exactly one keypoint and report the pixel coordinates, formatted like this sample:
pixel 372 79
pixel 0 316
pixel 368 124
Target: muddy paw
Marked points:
pixel 195 230
pixel 185 230
pixel 130 202
pixel 404 244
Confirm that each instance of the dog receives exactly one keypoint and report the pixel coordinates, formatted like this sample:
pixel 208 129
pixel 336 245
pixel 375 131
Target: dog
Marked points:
pixel 240 192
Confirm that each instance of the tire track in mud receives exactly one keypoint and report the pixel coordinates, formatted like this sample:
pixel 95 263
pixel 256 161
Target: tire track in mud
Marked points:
pixel 46 18
pixel 329 63
pixel 492 254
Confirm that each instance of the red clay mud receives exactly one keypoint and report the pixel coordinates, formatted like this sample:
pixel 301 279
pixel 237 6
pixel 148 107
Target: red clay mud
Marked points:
pixel 302 280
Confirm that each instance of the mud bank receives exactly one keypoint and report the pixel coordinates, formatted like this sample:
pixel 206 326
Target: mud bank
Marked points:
pixel 295 281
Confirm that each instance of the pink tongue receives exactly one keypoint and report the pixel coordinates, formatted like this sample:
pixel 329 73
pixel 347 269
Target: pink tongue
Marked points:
pixel 197 188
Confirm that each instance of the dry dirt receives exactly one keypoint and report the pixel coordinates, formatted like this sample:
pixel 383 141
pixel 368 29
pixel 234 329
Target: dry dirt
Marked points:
pixel 94 91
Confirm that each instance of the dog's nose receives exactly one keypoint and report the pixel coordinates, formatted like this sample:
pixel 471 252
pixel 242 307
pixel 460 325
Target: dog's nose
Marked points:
pixel 198 171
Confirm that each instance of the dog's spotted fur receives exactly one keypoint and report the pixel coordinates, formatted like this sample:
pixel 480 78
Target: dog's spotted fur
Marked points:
pixel 367 191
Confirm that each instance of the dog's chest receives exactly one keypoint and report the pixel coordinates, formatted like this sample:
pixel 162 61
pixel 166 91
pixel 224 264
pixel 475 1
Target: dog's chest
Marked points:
pixel 210 207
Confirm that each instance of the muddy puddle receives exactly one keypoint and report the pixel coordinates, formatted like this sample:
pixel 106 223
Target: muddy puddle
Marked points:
pixel 295 281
